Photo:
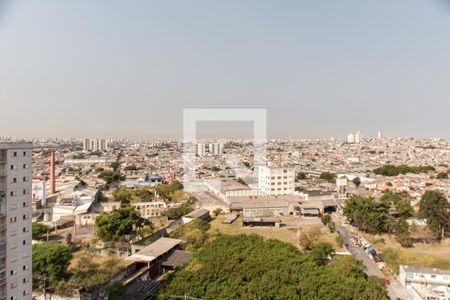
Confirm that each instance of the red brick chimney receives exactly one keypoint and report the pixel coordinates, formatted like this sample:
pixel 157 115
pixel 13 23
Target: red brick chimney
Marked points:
pixel 52 174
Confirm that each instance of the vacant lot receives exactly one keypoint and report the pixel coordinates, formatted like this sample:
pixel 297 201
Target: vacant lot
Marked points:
pixel 421 255
pixel 285 234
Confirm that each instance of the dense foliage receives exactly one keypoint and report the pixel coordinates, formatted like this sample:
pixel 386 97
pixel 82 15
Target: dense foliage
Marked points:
pixel 38 230
pixel 195 234
pixel 327 176
pixel 248 267
pixel 392 170
pixel 110 176
pixel 114 226
pixel 373 216
pixel 401 203
pixel 356 181
pixel 435 208
pixel 368 215
pixel 126 195
pixel 177 212
pixel 50 262
pixel 169 191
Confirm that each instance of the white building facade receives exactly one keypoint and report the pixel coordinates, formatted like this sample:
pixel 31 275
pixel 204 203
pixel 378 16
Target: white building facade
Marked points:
pixel 276 181
pixel 425 283
pixel 15 221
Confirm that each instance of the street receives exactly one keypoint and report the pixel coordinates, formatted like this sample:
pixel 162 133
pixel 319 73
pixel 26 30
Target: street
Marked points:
pixel 395 289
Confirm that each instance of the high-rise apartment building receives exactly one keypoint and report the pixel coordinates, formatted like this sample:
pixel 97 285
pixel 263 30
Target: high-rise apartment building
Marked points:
pixel 15 220
pixel 216 148
pixel 276 181
pixel 95 144
pixel 354 138
pixel 201 149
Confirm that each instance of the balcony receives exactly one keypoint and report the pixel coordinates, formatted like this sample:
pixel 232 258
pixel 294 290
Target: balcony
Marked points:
pixel 2 173
pixel 2 159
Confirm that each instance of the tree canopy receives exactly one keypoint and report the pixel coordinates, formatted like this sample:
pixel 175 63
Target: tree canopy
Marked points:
pixel 38 230
pixel 368 215
pixel 50 262
pixel 435 208
pixel 327 176
pixel 177 212
pixel 114 226
pixel 249 267
pixel 392 170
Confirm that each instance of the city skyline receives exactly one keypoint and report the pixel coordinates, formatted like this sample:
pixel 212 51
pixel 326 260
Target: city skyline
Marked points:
pixel 113 70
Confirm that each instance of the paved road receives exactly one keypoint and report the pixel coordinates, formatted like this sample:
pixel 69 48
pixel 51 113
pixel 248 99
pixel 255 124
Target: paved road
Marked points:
pixel 395 289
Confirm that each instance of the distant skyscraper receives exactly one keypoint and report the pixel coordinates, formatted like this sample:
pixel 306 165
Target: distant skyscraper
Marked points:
pixel 380 135
pixel 95 144
pixel 354 138
pixel 201 149
pixel 358 137
pixel 15 224
pixel 215 148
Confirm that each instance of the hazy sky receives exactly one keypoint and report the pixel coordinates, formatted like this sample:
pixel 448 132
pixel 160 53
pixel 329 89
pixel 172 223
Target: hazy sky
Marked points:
pixel 128 68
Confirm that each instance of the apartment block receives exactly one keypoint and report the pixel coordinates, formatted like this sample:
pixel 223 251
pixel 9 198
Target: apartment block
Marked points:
pixel 276 181
pixel 15 220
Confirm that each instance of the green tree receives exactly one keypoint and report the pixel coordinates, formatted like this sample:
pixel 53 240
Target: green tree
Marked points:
pixel 110 176
pixel 302 176
pixel 326 219
pixel 435 208
pixel 356 181
pixel 114 226
pixel 38 230
pixel 50 263
pixel 321 251
pixel 442 175
pixel 249 267
pixel 368 215
pixel 402 233
pixel 123 195
pixel 327 176
pixel 177 212
pixel 116 291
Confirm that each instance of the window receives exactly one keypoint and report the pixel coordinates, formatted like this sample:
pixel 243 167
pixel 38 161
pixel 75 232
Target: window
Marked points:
pixel 25 166
pixel 25 280
pixel 25 267
pixel 13 219
pixel 25 217
pixel 13 193
pixel 24 242
pixel 25 153
pixel 13 272
pixel 15 154
pixel 13 285
pixel 14 180
pixel 25 192
pixel 13 167
pixel 25 179
pixel 25 204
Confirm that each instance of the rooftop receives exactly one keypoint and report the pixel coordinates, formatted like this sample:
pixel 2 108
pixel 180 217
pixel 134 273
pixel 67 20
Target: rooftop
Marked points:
pixel 155 249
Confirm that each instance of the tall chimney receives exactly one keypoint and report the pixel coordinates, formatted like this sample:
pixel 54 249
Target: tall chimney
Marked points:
pixel 52 173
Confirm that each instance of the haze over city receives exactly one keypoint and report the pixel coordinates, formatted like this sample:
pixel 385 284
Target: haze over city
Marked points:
pixel 321 68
